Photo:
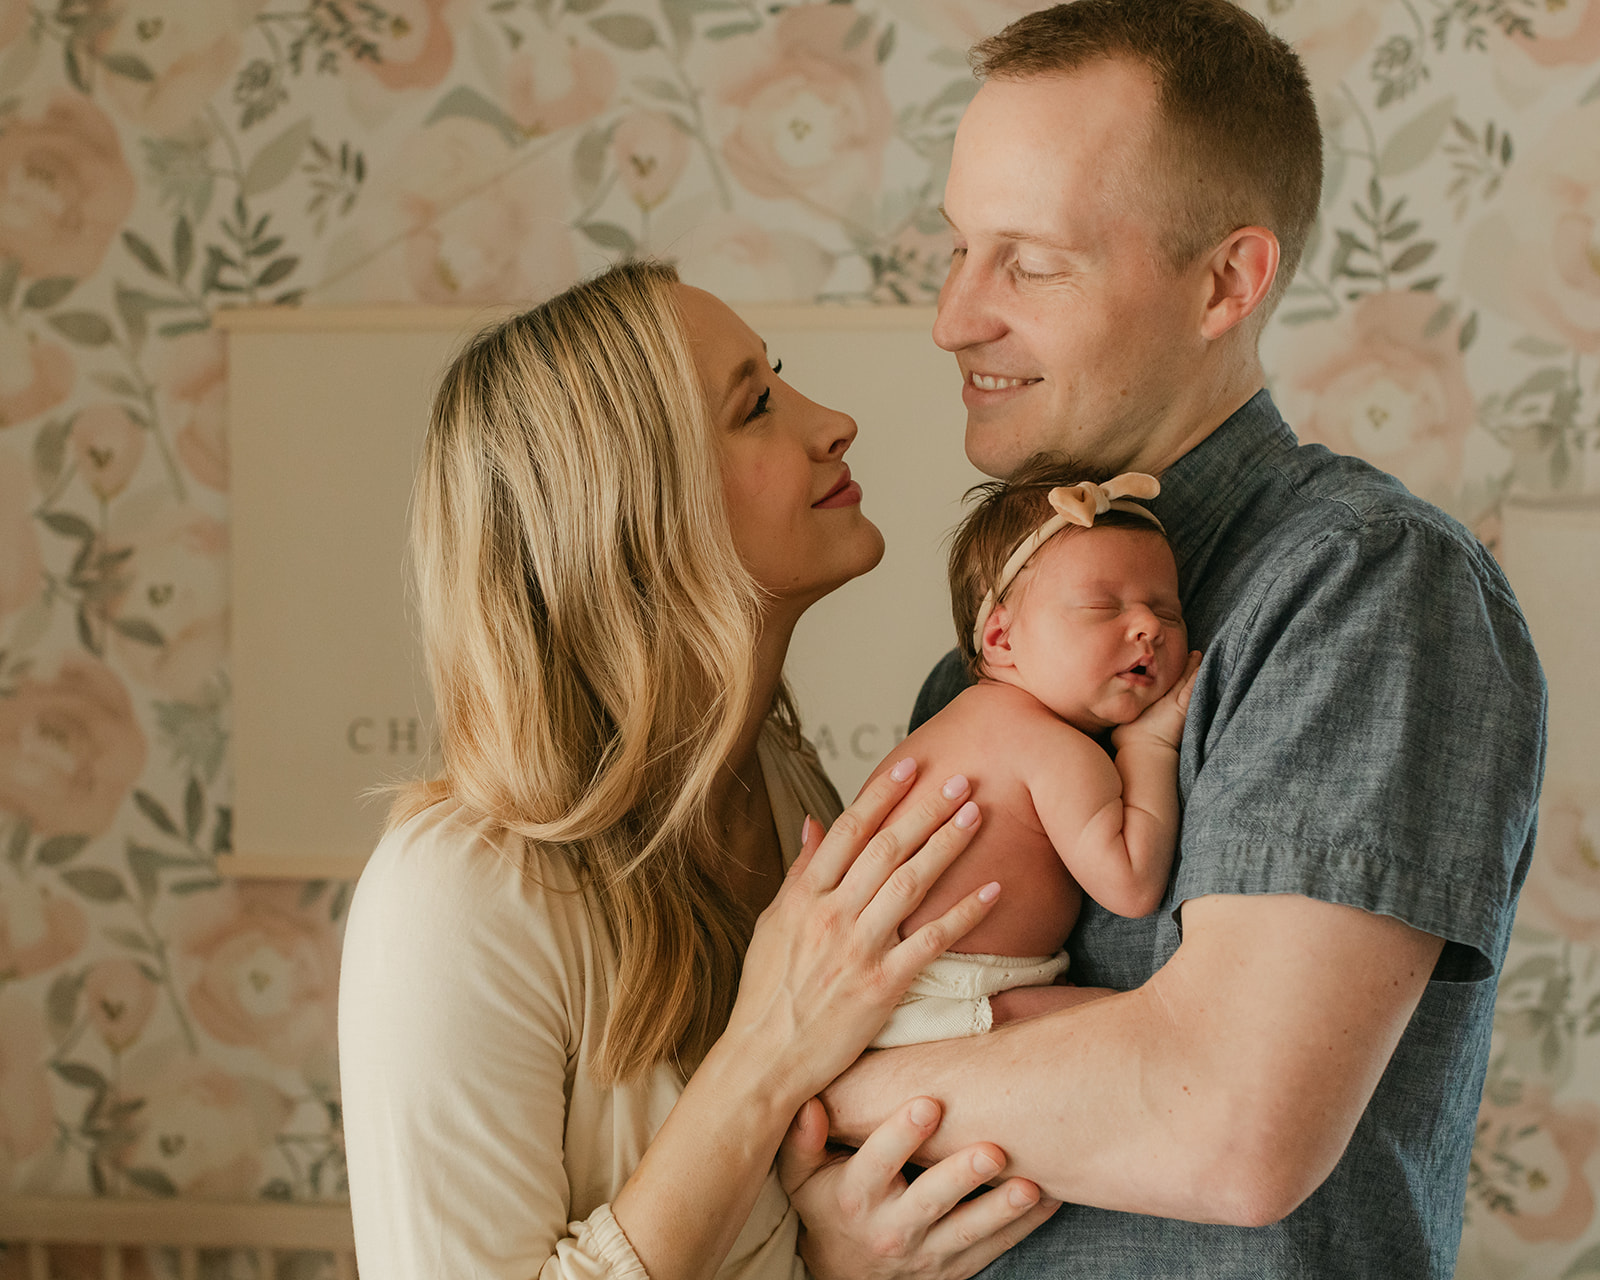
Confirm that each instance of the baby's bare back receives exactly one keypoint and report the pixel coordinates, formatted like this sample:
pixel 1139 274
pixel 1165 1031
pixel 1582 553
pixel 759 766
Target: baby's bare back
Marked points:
pixel 985 734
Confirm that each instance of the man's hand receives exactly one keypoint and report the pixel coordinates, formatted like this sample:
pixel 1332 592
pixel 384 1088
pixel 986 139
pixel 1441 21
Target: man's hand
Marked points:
pixel 862 1219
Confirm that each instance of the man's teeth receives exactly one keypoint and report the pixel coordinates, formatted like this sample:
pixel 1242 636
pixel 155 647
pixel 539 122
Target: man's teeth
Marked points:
pixel 984 382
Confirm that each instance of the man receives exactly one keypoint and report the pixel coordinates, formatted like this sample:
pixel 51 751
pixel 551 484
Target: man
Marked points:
pixel 1286 1070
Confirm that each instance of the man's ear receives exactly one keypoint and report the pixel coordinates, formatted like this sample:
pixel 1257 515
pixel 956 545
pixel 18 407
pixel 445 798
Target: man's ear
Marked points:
pixel 1240 272
pixel 996 652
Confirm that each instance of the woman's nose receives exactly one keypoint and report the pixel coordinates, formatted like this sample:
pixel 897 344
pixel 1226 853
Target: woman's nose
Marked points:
pixel 836 431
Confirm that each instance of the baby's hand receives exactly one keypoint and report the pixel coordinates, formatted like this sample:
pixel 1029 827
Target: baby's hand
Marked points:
pixel 1161 723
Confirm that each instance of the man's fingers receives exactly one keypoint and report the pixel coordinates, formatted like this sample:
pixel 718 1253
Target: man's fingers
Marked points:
pixel 804 1147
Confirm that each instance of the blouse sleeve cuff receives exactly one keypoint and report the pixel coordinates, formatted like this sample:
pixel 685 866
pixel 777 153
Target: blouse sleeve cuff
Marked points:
pixel 601 1236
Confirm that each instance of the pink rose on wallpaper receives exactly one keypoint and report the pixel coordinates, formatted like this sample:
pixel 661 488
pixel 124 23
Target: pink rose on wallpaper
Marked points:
pixel 481 229
pixel 1375 383
pixel 21 566
pixel 36 374
pixel 40 927
pixel 107 445
pixel 192 386
pixel 191 47
pixel 120 1000
pixel 265 976
pixel 415 46
pixel 552 83
pixel 799 115
pixel 740 260
pixel 64 188
pixel 70 749
pixel 1553 1144
pixel 27 1120
pixel 204 1129
pixel 650 151
pixel 176 580
pixel 959 24
pixel 1536 258
pixel 1563 886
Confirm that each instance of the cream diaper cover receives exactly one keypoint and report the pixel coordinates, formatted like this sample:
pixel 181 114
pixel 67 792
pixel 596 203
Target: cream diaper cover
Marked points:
pixel 950 997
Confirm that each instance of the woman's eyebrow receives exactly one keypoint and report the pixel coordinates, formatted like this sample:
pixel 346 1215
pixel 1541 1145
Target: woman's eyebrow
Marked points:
pixel 744 369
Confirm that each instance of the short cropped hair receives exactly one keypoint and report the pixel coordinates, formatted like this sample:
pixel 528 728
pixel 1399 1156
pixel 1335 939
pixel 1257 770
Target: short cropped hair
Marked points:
pixel 1006 512
pixel 1241 144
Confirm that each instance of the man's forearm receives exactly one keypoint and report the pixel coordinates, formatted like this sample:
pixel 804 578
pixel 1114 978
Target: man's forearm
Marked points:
pixel 1224 1089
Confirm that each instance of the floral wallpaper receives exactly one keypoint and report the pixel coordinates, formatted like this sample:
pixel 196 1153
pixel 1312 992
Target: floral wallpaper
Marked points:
pixel 165 1032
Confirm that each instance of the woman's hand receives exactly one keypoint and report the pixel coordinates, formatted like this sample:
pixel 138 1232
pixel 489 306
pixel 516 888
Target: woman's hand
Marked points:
pixel 827 964
pixel 863 1221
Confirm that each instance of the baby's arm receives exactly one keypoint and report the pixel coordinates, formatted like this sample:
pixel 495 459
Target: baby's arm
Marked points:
pixel 1122 852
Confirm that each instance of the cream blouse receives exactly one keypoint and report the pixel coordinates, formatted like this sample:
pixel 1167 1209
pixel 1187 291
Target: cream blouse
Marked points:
pixel 471 1005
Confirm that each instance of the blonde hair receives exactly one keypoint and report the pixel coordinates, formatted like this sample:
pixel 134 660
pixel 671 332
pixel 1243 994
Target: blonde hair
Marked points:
pixel 590 633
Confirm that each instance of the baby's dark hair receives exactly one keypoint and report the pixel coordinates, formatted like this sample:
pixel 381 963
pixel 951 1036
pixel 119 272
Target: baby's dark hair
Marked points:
pixel 1006 512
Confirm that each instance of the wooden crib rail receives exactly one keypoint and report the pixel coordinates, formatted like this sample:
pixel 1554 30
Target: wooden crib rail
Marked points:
pixel 263 1229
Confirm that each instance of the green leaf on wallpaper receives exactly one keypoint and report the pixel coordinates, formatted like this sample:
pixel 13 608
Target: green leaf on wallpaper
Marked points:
pixel 17 844
pixel 96 883
pixel 886 43
pixel 118 384
pixel 660 87
pixel 182 247
pixel 50 450
pixel 1413 255
pixel 276 270
pixel 58 849
pixel 82 1075
pixel 130 938
pixel 68 525
pixel 276 161
pixel 128 67
pixel 1413 142
pixel 183 887
pixel 151 1180
pixel 140 631
pixel 589 160
pixel 222 833
pixel 609 236
pixel 1590 94
pixel 146 864
pixel 133 316
pixel 469 103
pixel 628 31
pixel 10 273
pixel 140 248
pixel 582 6
pixel 194 809
pixel 155 811
pixel 859 30
pixel 1439 319
pixel 83 327
pixel 1306 316
pixel 1531 346
pixel 61 1003
pixel 44 294
pixel 727 30
pixel 1586 1263
pixel 1469 331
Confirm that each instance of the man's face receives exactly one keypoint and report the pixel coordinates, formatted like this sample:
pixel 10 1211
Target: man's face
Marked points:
pixel 1072 331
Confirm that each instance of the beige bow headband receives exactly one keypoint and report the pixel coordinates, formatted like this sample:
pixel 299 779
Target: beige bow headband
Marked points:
pixel 1077 504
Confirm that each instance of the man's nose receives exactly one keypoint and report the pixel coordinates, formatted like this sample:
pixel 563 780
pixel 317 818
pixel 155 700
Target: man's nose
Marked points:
pixel 967 315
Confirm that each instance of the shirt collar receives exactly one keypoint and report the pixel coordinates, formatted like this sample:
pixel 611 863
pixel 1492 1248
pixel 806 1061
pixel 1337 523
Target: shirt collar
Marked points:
pixel 1214 482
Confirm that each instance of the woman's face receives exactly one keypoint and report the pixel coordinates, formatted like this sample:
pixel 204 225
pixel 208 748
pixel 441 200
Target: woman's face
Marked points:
pixel 796 513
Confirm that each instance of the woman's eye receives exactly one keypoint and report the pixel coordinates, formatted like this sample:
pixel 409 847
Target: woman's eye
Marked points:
pixel 762 406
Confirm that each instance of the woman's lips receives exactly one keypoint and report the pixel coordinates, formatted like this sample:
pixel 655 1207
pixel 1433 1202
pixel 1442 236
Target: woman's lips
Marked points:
pixel 847 493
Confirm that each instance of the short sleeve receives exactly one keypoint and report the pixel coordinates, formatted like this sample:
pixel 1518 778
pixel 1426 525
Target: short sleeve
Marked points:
pixel 1370 731
pixel 460 989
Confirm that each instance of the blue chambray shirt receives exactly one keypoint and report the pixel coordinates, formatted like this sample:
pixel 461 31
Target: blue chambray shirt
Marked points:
pixel 1367 728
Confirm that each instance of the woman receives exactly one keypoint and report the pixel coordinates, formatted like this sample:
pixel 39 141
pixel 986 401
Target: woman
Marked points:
pixel 568 1045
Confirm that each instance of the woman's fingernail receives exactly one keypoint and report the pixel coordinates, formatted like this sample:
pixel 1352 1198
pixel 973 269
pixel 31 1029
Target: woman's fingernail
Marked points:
pixel 967 815
pixel 989 892
pixel 805 831
pixel 985 1165
pixel 903 770
pixel 955 786
pixel 923 1112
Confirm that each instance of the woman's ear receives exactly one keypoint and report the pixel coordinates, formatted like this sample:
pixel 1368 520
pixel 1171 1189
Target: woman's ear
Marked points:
pixel 996 652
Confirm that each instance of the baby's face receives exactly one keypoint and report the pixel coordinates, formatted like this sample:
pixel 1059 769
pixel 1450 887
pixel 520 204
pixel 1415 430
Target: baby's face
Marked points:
pixel 1097 633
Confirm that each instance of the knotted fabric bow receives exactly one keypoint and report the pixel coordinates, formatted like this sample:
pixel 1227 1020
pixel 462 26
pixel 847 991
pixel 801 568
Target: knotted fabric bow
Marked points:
pixel 1077 504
